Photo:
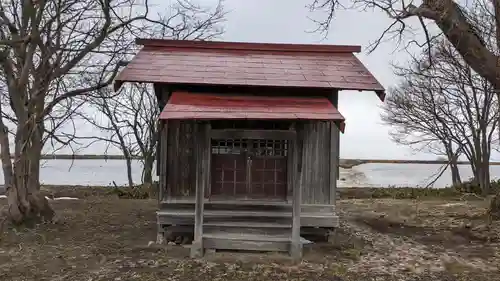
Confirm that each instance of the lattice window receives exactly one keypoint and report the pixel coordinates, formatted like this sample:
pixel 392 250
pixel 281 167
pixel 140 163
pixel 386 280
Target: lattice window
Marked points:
pixel 229 146
pixel 270 147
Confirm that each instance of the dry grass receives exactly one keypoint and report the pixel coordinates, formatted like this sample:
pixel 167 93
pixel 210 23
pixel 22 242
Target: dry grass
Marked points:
pixel 104 238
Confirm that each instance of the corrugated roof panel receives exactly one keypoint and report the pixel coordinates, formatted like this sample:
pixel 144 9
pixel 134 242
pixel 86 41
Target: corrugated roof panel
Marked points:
pixel 184 105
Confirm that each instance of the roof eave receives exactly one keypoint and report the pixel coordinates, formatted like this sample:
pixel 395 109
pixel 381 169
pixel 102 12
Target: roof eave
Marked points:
pixel 381 95
pixel 248 46
pixel 117 85
pixel 378 90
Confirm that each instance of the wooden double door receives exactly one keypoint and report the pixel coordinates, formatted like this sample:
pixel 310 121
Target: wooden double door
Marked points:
pixel 247 169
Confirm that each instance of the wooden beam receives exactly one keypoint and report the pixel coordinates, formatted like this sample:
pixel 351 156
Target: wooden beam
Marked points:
pixel 208 159
pixel 200 148
pixel 253 134
pixel 296 245
pixel 334 162
pixel 291 163
pixel 161 153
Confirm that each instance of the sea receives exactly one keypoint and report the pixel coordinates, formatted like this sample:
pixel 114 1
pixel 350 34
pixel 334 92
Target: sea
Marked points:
pixel 110 172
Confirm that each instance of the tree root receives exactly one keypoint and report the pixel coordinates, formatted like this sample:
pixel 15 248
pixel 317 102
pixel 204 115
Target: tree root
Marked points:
pixel 34 210
pixel 494 208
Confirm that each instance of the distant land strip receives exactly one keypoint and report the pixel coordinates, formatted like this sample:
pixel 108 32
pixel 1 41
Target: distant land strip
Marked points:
pixel 344 163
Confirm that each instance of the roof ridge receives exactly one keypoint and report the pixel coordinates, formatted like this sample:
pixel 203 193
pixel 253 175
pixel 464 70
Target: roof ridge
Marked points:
pixel 249 46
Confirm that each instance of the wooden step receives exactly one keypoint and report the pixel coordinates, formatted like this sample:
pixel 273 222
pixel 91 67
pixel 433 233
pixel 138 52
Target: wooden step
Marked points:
pixel 247 224
pixel 227 213
pixel 230 205
pixel 246 241
pixel 240 213
pixel 250 227
pixel 231 202
pixel 246 205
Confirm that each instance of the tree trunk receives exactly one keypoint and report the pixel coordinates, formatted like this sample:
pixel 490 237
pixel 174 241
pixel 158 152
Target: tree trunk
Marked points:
pixel 452 159
pixel 494 209
pixel 485 187
pixel 26 205
pixel 147 174
pixel 482 175
pixel 128 163
pixel 485 159
pixel 455 174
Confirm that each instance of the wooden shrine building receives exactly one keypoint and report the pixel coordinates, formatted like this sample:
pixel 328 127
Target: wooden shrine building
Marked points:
pixel 249 138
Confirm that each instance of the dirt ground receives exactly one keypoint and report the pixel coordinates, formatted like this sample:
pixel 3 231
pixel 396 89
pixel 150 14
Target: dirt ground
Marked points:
pixel 106 238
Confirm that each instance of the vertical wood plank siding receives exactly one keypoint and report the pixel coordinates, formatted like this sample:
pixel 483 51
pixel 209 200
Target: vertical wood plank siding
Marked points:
pixel 181 162
pixel 316 163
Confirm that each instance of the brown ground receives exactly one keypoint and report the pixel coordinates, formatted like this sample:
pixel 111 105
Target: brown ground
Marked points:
pixel 105 238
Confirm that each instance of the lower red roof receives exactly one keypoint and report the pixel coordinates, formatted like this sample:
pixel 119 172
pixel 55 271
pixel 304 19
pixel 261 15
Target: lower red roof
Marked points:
pixel 184 105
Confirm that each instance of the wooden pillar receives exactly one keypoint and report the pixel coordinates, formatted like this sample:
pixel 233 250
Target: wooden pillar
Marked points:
pixel 334 152
pixel 162 155
pixel 162 95
pixel 291 165
pixel 162 159
pixel 202 175
pixel 296 245
pixel 334 162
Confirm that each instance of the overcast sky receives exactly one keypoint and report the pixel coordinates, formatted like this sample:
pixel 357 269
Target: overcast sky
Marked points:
pixel 287 21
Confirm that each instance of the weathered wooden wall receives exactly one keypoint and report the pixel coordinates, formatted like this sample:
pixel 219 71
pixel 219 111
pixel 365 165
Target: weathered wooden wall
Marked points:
pixel 315 162
pixel 181 162
pixel 319 166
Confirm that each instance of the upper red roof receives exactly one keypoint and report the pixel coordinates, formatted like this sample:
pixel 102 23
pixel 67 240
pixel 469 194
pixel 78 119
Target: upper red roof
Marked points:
pixel 251 64
pixel 184 105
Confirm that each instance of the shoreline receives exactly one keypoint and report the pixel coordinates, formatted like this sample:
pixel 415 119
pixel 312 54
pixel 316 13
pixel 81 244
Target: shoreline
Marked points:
pixel 344 162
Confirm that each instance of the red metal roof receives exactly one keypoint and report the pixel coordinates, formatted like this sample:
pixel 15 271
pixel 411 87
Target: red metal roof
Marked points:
pixel 249 64
pixel 184 105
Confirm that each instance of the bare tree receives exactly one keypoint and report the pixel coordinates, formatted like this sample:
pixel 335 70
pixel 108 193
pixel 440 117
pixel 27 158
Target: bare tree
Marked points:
pixel 411 109
pixel 472 28
pixel 112 123
pixel 477 113
pixel 447 103
pixel 130 118
pixel 42 45
pixel 128 122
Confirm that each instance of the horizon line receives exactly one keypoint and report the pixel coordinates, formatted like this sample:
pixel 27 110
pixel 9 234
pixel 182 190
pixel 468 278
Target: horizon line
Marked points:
pixel 344 161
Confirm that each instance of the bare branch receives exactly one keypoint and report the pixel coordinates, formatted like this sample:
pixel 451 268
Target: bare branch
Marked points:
pixel 445 108
pixel 456 20
pixel 54 56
